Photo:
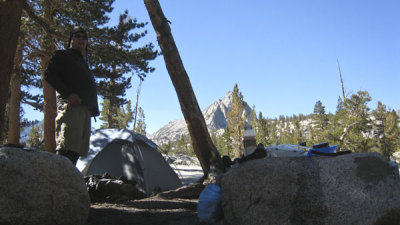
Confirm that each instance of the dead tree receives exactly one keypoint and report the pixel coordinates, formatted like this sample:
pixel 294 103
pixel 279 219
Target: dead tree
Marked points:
pixel 137 103
pixel 203 146
pixel 341 81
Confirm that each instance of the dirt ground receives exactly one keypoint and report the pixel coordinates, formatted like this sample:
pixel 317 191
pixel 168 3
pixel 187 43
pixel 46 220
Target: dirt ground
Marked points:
pixel 149 211
pixel 175 207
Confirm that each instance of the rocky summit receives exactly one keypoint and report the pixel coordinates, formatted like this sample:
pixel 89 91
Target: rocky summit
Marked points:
pixel 215 116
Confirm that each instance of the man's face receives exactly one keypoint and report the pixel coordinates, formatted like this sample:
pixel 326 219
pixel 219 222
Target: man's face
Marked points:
pixel 79 41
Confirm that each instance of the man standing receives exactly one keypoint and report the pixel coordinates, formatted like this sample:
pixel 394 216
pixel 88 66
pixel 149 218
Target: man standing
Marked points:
pixel 68 73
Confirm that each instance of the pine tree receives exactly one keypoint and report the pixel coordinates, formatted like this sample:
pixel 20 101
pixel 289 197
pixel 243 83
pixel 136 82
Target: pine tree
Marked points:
pixel 352 120
pixel 35 139
pixel 309 134
pixel 262 130
pixel 125 116
pixel 30 68
pixel 182 145
pixel 320 123
pixel 116 61
pixel 219 142
pixel 235 120
pixel 274 133
pixel 141 124
pixel 227 142
pixel 108 117
pixel 386 130
pixel 166 148
pixel 115 117
pixel 298 134
pixel 253 118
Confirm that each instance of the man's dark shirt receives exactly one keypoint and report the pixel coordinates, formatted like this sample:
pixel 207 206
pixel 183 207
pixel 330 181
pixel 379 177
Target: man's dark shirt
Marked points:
pixel 68 73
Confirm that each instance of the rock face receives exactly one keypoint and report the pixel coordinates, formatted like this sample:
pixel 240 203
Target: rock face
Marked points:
pixel 41 188
pixel 357 188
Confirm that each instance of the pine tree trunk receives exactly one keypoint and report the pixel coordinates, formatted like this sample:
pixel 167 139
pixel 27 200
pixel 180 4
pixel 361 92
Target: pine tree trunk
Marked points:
pixel 49 109
pixel 49 106
pixel 10 21
pixel 14 122
pixel 203 146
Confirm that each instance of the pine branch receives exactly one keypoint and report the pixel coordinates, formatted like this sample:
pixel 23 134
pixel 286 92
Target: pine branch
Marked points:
pixel 34 104
pixel 37 52
pixel 42 23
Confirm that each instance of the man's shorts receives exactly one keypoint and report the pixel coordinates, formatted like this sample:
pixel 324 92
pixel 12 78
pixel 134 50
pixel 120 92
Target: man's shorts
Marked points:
pixel 73 128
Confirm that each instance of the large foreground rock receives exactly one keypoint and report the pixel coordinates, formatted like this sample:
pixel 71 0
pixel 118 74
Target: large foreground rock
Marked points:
pixel 41 188
pixel 352 189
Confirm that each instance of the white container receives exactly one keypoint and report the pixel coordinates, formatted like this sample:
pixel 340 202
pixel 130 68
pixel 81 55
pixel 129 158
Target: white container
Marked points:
pixel 249 141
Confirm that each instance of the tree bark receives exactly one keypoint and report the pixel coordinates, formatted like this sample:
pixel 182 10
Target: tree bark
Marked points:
pixel 10 21
pixel 49 95
pixel 14 122
pixel 49 109
pixel 203 146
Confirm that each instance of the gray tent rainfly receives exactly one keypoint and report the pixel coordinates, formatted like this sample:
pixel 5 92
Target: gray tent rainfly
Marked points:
pixel 120 152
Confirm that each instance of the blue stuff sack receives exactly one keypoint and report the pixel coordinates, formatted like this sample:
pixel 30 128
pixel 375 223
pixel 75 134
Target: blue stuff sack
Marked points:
pixel 209 206
pixel 322 149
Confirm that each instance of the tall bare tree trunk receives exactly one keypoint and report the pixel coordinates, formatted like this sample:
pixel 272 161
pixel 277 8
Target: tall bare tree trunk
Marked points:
pixel 14 128
pixel 10 21
pixel 49 107
pixel 203 146
pixel 137 104
pixel 341 81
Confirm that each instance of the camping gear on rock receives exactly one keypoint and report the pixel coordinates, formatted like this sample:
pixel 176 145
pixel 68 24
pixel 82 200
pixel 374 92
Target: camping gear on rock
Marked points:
pixel 257 154
pixel 323 149
pixel 209 208
pixel 120 152
pixel 249 140
pixel 286 150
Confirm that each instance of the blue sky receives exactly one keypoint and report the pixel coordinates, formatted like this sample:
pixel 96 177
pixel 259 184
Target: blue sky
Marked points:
pixel 282 54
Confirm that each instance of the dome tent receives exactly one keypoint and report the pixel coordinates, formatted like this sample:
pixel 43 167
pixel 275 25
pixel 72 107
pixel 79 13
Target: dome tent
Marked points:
pixel 120 152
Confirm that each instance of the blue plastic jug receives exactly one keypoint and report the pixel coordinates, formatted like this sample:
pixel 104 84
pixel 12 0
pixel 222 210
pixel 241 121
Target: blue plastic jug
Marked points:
pixel 209 206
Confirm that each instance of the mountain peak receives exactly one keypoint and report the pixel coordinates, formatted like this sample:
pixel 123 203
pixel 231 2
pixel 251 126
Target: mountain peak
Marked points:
pixel 214 115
